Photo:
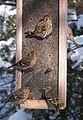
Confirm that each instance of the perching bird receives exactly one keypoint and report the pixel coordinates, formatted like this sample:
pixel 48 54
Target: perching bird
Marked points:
pixel 19 96
pixel 26 62
pixel 55 103
pixel 50 99
pixel 71 37
pixel 43 28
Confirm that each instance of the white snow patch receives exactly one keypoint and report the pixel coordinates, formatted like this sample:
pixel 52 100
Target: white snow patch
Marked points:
pixel 21 115
pixel 77 55
pixel 5 10
pixel 80 22
pixel 71 14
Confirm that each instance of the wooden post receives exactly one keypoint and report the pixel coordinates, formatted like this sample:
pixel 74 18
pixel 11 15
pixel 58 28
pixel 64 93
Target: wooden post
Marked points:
pixel 19 41
pixel 62 52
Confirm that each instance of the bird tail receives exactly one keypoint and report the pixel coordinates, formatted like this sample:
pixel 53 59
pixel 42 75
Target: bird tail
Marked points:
pixel 29 34
pixel 12 66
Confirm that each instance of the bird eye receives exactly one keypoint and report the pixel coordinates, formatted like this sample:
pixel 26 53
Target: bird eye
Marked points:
pixel 46 19
pixel 38 29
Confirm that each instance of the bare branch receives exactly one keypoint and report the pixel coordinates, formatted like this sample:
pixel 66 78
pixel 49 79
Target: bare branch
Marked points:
pixel 76 48
pixel 11 4
pixel 7 83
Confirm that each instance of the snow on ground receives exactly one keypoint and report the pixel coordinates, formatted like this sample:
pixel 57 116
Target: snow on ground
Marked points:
pixel 21 115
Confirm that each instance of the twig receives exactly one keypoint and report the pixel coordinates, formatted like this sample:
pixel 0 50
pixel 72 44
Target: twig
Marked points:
pixel 7 83
pixel 11 4
pixel 76 48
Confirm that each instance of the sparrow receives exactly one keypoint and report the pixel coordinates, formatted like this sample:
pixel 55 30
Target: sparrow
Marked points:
pixel 50 99
pixel 71 37
pixel 26 62
pixel 42 29
pixel 54 102
pixel 19 96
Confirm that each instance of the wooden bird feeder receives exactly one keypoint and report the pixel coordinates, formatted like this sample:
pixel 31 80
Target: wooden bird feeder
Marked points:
pixel 51 51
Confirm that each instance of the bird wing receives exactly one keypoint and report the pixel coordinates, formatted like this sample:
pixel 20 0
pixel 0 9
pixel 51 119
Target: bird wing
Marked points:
pixel 17 96
pixel 40 27
pixel 24 62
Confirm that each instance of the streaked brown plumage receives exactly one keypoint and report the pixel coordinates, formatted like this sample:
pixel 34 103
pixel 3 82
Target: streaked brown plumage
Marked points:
pixel 55 103
pixel 71 37
pixel 51 99
pixel 26 62
pixel 19 96
pixel 43 28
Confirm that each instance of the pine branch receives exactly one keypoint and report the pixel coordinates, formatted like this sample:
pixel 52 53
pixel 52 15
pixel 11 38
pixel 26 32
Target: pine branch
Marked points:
pixel 10 4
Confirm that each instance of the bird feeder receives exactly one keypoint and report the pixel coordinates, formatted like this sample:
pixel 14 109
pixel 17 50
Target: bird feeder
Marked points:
pixel 51 65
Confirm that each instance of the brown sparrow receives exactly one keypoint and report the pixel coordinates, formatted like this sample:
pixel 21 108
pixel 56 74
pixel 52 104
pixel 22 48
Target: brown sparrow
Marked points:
pixel 70 36
pixel 54 102
pixel 19 96
pixel 26 62
pixel 43 28
pixel 50 99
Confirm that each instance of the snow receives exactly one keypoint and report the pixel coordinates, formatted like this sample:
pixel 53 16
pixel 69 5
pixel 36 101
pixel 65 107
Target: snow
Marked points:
pixel 77 55
pixel 13 49
pixel 21 115
pixel 80 22
pixel 3 63
pixel 71 14
pixel 5 10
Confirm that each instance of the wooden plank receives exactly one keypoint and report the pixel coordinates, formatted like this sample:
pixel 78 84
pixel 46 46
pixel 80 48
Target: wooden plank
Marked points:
pixel 39 104
pixel 19 41
pixel 62 52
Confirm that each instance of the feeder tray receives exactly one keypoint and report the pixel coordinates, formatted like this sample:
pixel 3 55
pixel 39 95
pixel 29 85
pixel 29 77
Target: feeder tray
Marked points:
pixel 50 68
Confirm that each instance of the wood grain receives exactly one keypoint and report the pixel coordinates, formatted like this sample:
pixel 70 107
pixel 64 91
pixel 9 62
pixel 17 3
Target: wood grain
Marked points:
pixel 62 52
pixel 19 41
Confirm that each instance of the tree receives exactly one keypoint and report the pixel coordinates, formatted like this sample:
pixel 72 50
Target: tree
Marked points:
pixel 7 55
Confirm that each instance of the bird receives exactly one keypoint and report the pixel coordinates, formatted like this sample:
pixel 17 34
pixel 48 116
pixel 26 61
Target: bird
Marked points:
pixel 43 28
pixel 19 96
pixel 54 102
pixel 71 37
pixel 50 99
pixel 26 62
